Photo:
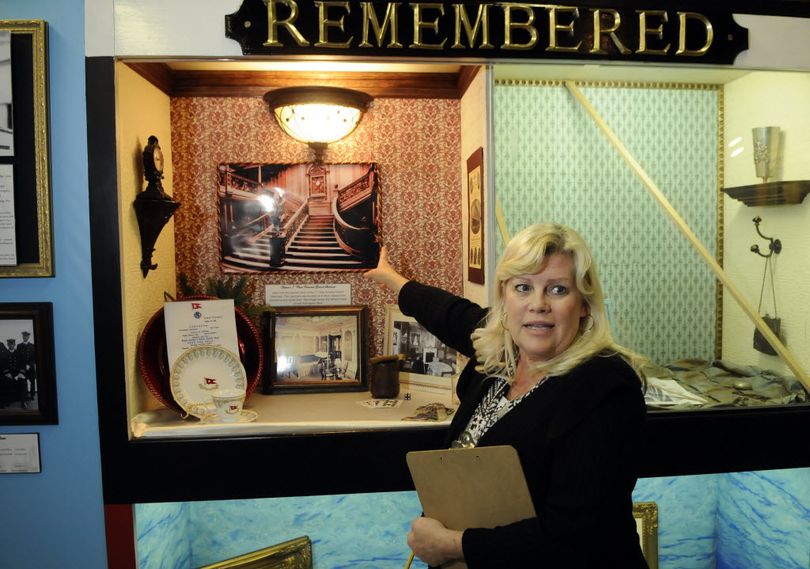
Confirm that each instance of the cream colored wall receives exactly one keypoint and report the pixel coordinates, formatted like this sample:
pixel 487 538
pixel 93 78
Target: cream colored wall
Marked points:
pixel 768 99
pixel 474 112
pixel 142 110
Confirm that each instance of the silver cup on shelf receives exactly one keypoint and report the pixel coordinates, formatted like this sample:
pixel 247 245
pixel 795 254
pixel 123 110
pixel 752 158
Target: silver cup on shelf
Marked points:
pixel 766 151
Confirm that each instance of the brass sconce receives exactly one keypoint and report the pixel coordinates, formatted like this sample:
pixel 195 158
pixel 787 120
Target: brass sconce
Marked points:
pixel 153 206
pixel 317 116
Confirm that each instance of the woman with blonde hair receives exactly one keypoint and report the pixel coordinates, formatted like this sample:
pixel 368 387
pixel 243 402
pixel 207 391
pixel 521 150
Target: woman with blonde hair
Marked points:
pixel 546 377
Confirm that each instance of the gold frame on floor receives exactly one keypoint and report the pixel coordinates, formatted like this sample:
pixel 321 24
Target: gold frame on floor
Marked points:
pixel 646 515
pixel 293 554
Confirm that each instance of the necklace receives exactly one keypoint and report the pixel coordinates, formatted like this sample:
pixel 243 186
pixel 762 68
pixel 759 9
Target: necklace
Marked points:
pixel 492 408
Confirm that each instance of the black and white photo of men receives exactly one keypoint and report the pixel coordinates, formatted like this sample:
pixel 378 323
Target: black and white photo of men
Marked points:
pixel 18 373
pixel 6 123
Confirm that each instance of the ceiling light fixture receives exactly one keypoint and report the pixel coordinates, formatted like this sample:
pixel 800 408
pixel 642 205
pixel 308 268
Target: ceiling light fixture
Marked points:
pixel 317 116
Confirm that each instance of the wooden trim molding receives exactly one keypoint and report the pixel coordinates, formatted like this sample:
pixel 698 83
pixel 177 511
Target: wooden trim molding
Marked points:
pixel 195 83
pixel 158 74
pixel 465 78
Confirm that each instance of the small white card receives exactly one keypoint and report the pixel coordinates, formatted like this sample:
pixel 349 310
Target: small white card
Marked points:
pixel 191 323
pixel 308 294
pixel 19 453
pixel 8 235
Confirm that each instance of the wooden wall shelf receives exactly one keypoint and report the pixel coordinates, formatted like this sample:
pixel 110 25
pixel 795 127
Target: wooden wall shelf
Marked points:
pixel 771 193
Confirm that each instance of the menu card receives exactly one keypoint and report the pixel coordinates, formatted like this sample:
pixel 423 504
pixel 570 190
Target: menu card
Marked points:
pixel 8 240
pixel 191 323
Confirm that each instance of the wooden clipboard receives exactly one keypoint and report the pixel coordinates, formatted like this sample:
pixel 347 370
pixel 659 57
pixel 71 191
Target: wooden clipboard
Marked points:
pixel 471 487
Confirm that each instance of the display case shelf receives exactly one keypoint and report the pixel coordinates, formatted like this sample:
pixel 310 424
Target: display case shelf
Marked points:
pixel 771 193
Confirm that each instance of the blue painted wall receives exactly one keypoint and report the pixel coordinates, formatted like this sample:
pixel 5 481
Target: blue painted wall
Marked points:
pixel 55 519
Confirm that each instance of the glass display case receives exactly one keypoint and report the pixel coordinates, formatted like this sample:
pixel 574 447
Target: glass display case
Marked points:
pixel 687 127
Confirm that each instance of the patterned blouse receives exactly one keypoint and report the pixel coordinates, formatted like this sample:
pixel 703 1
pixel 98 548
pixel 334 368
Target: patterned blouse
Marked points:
pixel 493 406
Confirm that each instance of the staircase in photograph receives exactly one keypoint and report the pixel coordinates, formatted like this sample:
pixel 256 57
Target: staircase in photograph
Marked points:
pixel 315 247
pixel 250 256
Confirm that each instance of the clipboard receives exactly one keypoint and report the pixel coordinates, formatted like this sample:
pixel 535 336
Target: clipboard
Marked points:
pixel 471 487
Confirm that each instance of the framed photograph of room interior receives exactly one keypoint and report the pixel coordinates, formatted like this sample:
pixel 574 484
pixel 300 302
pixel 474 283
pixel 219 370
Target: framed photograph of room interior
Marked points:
pixel 298 217
pixel 25 209
pixel 427 364
pixel 317 348
pixel 27 381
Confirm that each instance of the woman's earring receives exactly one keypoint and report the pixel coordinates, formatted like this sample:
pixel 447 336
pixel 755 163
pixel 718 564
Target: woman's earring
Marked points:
pixel 503 321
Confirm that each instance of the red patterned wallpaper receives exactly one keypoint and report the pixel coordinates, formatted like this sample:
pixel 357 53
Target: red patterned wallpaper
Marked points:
pixel 416 144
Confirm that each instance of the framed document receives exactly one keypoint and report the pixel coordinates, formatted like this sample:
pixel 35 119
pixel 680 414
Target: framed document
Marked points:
pixel 475 217
pixel 26 113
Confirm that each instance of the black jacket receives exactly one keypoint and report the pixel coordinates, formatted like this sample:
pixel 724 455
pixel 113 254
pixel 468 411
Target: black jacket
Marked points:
pixel 578 437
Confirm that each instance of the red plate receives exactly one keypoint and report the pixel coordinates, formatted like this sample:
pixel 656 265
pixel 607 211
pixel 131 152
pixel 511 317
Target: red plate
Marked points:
pixel 153 362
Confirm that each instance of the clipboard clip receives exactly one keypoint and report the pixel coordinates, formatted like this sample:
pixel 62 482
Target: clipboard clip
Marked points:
pixel 464 441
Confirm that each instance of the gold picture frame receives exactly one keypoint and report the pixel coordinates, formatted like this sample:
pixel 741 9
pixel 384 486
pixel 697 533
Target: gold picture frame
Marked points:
pixel 31 160
pixel 293 554
pixel 646 516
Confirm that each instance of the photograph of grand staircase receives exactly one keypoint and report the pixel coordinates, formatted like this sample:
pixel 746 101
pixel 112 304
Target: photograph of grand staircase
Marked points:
pixel 273 220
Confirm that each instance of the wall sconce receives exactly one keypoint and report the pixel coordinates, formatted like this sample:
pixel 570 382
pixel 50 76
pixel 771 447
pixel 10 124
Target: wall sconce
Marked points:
pixel 317 115
pixel 766 151
pixel 153 206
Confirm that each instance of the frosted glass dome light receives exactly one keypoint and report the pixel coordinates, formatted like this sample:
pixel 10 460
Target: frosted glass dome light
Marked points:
pixel 317 116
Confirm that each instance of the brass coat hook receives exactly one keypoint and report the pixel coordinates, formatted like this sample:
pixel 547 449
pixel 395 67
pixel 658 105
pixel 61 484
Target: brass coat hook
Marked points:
pixel 774 245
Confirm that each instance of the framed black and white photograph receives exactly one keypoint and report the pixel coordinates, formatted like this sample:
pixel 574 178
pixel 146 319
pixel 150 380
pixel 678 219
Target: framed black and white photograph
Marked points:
pixel 27 380
pixel 6 96
pixel 317 348
pixel 298 217
pixel 25 196
pixel 426 362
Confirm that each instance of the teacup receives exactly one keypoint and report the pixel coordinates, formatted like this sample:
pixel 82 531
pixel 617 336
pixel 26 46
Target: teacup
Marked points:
pixel 228 404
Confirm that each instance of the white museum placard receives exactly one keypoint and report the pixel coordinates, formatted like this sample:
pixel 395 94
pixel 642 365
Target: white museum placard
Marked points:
pixel 8 235
pixel 191 323
pixel 308 294
pixel 19 453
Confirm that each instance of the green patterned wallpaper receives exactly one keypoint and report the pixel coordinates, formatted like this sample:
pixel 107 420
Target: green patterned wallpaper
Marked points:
pixel 552 163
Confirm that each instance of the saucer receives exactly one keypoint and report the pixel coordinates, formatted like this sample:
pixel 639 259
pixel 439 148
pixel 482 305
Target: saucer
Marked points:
pixel 245 416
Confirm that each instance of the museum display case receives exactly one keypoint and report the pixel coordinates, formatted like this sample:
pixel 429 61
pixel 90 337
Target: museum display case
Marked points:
pixel 722 405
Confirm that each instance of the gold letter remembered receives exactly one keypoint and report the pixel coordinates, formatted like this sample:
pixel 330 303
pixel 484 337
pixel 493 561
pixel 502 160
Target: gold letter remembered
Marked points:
pixel 390 19
pixel 324 23
pixel 508 25
pixel 554 27
pixel 598 30
pixel 273 23
pixel 707 25
pixel 481 23
pixel 644 31
pixel 419 25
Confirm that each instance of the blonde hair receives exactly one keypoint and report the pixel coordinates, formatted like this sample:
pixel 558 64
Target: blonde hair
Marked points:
pixel 527 254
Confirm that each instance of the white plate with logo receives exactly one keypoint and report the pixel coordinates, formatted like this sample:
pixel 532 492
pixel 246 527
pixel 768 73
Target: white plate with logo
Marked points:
pixel 199 371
